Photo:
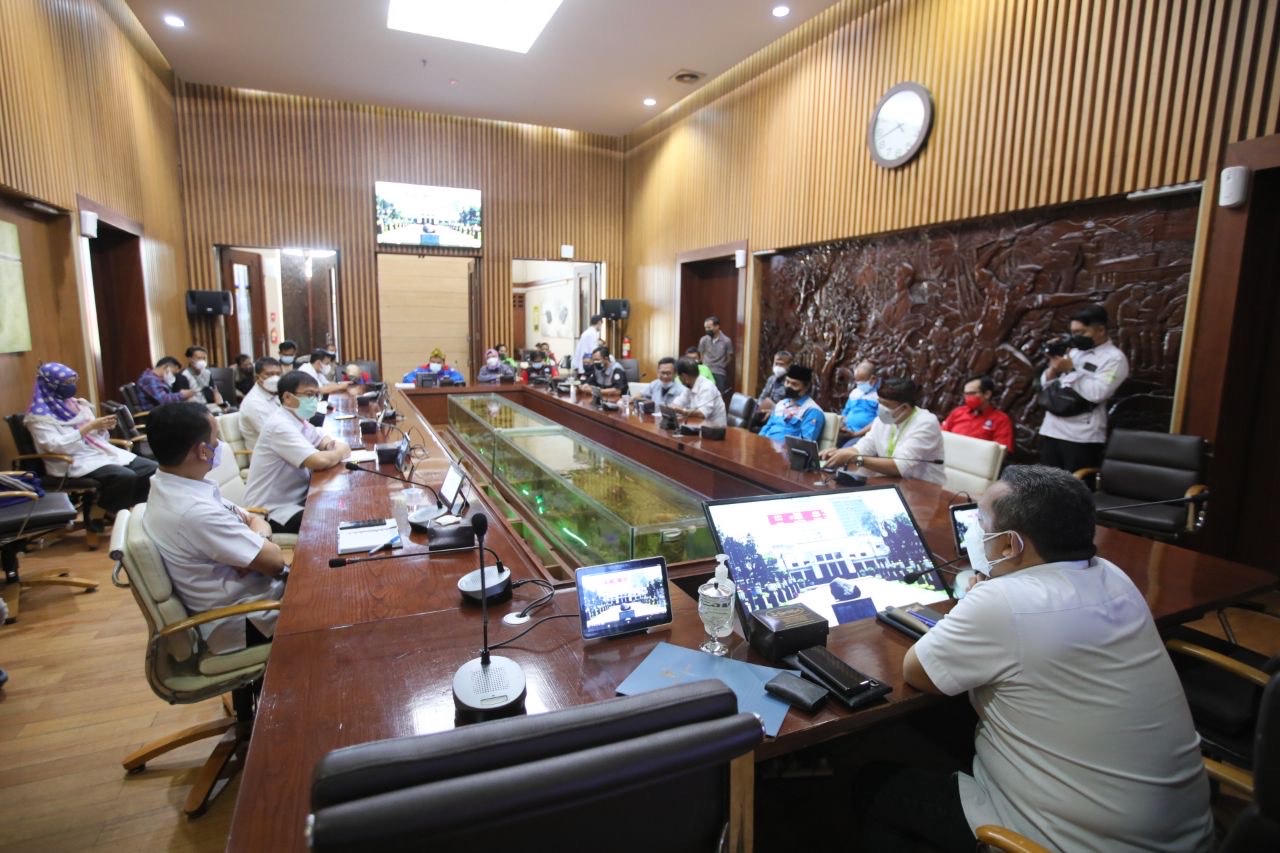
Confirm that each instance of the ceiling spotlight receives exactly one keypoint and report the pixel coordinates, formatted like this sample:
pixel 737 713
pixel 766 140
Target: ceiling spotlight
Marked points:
pixel 781 11
pixel 650 102
pixel 174 21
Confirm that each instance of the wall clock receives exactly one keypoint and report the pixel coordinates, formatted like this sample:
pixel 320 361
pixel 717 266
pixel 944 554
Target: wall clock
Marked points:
pixel 900 125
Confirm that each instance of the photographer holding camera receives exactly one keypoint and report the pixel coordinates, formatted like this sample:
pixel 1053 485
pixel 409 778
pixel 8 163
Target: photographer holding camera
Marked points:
pixel 1085 369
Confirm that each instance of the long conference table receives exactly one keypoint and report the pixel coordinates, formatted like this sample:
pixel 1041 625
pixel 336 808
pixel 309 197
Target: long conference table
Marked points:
pixel 368 651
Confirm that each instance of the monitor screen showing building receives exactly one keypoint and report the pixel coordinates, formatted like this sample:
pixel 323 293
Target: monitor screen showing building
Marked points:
pixel 842 554
pixel 418 215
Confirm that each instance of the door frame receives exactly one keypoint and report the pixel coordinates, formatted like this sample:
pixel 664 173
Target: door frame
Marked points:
pixel 744 373
pixel 88 296
pixel 229 256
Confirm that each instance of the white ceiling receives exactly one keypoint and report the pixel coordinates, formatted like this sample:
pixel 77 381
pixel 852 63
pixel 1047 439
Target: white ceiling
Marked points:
pixel 589 70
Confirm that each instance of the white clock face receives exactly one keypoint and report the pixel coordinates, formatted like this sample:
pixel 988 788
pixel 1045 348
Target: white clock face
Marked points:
pixel 899 124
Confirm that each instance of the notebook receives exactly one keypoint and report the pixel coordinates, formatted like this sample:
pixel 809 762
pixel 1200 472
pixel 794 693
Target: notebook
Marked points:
pixel 353 540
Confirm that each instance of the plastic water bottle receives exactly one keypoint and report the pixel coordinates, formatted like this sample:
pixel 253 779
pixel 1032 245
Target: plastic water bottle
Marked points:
pixel 715 607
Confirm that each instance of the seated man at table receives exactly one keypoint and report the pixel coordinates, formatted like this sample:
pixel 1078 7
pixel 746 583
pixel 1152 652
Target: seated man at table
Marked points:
pixel 904 441
pixel 700 400
pixel 606 374
pixel 978 417
pixel 322 370
pixel 664 390
pixel 287 453
pixel 156 384
pixel 197 377
pixel 216 553
pixel 1084 738
pixel 774 387
pixel 797 414
pixel 261 402
pixel 540 371
pixel 861 407
pixel 288 354
pixel 494 369
pixel 438 366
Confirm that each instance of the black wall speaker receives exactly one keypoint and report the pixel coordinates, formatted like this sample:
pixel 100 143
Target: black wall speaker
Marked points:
pixel 207 302
pixel 615 309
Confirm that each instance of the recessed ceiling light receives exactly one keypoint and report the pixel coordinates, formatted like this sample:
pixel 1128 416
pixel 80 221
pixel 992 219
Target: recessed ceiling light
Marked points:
pixel 174 21
pixel 650 102
pixel 505 24
pixel 781 11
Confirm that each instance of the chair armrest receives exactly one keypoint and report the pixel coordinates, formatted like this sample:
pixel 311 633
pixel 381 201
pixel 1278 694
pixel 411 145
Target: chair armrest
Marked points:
pixel 56 457
pixel 244 451
pixel 126 443
pixel 1229 774
pixel 32 496
pixel 256 510
pixel 1235 667
pixel 139 415
pixel 1007 840
pixel 14 473
pixel 1195 490
pixel 1081 473
pixel 214 615
pixel 1195 509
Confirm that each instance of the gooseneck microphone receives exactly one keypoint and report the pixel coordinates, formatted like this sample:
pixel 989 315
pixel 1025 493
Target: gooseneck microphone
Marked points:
pixel 352 466
pixel 487 687
pixel 912 577
pixel 339 562
pixel 1197 499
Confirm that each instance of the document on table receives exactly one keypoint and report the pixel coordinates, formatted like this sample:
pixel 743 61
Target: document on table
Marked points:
pixel 361 456
pixel 357 539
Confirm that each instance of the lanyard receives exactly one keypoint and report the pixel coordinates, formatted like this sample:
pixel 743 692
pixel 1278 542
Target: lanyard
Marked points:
pixel 893 433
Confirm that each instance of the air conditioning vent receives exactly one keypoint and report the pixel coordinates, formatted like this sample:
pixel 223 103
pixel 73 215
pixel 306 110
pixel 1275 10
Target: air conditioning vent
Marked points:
pixel 688 76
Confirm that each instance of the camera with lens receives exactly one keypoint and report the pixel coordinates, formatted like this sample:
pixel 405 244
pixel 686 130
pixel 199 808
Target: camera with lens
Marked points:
pixel 1058 347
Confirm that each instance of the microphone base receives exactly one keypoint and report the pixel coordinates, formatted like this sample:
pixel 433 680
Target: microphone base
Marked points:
pixel 488 692
pixel 848 478
pixel 497 585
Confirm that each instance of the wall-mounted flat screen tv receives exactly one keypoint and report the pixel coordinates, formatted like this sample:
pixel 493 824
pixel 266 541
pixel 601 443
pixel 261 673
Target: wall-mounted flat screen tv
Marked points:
pixel 419 215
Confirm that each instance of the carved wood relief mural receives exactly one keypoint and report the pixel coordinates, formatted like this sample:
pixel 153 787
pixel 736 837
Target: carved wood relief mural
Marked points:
pixel 945 303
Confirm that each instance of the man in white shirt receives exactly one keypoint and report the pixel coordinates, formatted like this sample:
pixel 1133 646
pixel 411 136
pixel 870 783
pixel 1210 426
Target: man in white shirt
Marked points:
pixel 197 376
pixel 286 454
pixel 321 369
pixel 1084 739
pixel 261 402
pixel 216 553
pixel 904 440
pixel 700 399
pixel 1092 369
pixel 587 343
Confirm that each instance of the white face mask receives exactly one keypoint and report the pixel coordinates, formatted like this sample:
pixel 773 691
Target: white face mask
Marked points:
pixel 271 384
pixel 169 378
pixel 779 371
pixel 492 362
pixel 286 359
pixel 433 367
pixel 975 545
pixel 885 414
pixel 200 365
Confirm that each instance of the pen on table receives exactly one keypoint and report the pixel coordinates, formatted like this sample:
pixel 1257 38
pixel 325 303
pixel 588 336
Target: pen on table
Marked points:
pixel 392 542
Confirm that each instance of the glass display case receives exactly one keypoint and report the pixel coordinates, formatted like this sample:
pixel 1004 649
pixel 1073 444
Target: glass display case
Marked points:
pixel 595 504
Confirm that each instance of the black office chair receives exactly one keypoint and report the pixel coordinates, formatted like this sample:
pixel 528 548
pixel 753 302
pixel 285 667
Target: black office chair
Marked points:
pixel 648 772
pixel 224 379
pixel 741 410
pixel 1150 466
pixel 1149 412
pixel 371 368
pixel 632 368
pixel 82 491
pixel 32 516
pixel 127 428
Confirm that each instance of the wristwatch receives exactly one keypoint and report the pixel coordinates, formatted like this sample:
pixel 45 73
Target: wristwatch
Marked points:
pixel 858 461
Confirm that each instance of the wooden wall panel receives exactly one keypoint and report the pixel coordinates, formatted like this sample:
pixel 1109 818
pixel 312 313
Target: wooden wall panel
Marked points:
pixel 1040 102
pixel 280 170
pixel 86 109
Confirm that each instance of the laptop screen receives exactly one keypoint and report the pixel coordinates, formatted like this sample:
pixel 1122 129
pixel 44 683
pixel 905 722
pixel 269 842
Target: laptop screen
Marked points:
pixel 842 554
pixel 619 598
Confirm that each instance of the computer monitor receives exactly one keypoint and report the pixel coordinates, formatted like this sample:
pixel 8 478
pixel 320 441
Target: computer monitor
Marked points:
pixel 963 516
pixel 843 554
pixel 802 452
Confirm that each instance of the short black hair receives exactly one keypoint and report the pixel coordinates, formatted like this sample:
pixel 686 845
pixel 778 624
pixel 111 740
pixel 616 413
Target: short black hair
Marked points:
pixel 1091 315
pixel 265 362
pixel 666 359
pixel 784 353
pixel 691 349
pixel 687 367
pixel 319 353
pixel 288 345
pixel 244 356
pixel 195 348
pixel 1049 506
pixel 602 350
pixel 293 380
pixel 499 346
pixel 985 382
pixel 713 320
pixel 899 389
pixel 596 318
pixel 167 360
pixel 174 428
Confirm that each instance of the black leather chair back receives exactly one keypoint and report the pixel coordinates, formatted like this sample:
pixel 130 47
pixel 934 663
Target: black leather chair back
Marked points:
pixel 632 368
pixel 1258 826
pixel 741 410
pixel 129 393
pixel 127 428
pixel 638 773
pixel 24 443
pixel 1152 466
pixel 225 380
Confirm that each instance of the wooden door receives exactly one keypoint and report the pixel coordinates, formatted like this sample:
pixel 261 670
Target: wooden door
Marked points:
pixel 709 288
pixel 247 325
pixel 423 303
pixel 120 301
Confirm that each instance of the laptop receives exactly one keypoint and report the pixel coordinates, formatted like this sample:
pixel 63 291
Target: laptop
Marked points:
pixel 963 516
pixel 623 598
pixel 428 380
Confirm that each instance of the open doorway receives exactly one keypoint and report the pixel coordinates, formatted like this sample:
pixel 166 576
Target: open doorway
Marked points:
pixel 711 284
pixel 425 303
pixel 120 303
pixel 280 294
pixel 552 301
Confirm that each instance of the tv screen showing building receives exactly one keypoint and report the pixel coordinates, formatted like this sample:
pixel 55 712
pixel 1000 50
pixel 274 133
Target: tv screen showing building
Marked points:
pixel 420 215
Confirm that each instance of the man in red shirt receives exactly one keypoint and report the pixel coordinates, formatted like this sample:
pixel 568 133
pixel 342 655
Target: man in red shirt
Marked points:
pixel 977 418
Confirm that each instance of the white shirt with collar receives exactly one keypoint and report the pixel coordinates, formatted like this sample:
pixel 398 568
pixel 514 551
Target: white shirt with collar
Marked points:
pixel 1084 738
pixel 255 408
pixel 919 438
pixel 203 538
pixel 1098 373
pixel 704 397
pixel 278 480
pixel 586 346
pixel 310 369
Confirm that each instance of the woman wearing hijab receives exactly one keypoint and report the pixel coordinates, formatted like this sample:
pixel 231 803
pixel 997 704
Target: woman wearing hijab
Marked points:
pixel 494 369
pixel 60 422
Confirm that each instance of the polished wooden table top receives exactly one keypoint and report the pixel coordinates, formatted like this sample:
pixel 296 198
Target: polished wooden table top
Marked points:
pixel 368 652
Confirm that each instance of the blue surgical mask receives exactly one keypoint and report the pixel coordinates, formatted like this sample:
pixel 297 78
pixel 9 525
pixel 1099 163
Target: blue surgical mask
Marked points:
pixel 864 387
pixel 307 407
pixel 217 456
pixel 286 359
pixel 66 391
pixel 666 386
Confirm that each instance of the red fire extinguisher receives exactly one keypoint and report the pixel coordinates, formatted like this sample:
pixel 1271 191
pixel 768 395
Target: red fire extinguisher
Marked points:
pixel 626 347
